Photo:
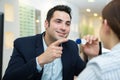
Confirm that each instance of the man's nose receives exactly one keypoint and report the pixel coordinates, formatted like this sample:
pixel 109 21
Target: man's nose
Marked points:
pixel 63 26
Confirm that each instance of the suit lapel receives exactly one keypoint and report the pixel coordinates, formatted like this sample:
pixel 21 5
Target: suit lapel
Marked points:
pixel 65 61
pixel 39 44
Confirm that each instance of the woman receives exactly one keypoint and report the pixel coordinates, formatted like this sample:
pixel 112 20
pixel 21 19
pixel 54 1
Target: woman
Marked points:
pixel 107 66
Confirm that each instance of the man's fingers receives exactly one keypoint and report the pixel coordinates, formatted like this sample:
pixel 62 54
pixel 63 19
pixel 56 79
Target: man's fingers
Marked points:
pixel 60 41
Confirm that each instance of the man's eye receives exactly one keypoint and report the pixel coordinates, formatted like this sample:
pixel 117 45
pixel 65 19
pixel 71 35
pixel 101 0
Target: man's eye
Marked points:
pixel 58 21
pixel 68 24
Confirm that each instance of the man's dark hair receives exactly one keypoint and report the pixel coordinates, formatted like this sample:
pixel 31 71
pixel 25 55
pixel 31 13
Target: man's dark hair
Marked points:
pixel 58 8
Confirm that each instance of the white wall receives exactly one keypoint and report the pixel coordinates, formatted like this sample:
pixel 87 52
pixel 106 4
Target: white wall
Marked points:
pixel 9 26
pixel 44 6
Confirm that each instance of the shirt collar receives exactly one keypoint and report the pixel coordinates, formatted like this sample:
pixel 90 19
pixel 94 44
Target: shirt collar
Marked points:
pixel 116 47
pixel 44 44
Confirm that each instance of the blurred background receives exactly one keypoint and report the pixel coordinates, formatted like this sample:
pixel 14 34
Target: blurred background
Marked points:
pixel 26 18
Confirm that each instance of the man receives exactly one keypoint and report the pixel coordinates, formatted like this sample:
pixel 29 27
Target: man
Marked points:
pixel 107 66
pixel 47 56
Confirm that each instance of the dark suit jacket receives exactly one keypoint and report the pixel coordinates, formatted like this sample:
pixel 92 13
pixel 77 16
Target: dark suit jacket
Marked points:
pixel 22 65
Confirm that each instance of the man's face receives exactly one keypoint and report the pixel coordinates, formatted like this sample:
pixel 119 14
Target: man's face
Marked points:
pixel 59 26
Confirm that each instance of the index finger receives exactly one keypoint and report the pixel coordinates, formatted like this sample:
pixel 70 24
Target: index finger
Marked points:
pixel 60 41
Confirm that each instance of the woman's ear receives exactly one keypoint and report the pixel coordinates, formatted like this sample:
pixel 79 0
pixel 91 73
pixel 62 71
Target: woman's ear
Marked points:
pixel 106 26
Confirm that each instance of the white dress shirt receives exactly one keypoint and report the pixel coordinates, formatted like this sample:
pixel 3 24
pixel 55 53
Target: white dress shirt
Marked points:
pixel 103 67
pixel 51 71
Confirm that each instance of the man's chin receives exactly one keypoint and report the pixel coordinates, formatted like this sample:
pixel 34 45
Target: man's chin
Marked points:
pixel 60 38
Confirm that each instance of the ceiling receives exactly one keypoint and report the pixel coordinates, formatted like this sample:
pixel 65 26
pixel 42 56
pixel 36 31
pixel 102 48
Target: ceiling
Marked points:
pixel 96 7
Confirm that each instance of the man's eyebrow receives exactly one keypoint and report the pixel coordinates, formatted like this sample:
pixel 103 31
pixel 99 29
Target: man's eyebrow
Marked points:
pixel 59 19
pixel 62 20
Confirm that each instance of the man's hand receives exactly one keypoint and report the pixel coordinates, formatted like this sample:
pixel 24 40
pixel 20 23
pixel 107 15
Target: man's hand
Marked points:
pixel 91 49
pixel 52 52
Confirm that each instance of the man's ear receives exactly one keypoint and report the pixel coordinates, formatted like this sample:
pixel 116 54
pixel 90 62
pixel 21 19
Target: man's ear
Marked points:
pixel 106 26
pixel 46 24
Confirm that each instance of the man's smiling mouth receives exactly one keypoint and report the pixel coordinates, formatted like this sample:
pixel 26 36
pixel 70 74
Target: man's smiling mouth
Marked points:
pixel 61 33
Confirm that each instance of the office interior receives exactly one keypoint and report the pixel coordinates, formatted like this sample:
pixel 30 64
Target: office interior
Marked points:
pixel 26 17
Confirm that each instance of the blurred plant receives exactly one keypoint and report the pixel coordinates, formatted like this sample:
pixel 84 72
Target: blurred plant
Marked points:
pixel 85 30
